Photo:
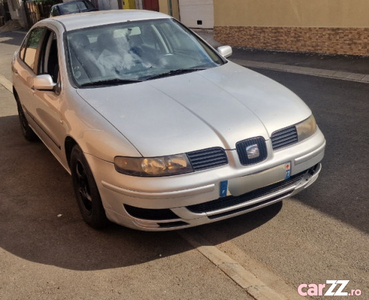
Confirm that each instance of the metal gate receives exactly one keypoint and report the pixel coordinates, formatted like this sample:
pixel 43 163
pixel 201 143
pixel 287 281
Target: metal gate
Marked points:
pixel 151 5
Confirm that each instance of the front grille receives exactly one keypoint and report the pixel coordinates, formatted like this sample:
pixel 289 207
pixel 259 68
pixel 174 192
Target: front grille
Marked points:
pixel 242 150
pixel 230 201
pixel 284 137
pixel 207 158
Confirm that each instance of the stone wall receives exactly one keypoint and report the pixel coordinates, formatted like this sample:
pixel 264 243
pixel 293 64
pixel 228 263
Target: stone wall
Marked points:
pixel 350 41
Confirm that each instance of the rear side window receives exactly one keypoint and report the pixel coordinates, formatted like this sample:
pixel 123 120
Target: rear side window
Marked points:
pixel 29 49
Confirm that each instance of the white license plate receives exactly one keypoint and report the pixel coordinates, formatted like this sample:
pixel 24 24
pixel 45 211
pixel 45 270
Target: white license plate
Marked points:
pixel 245 184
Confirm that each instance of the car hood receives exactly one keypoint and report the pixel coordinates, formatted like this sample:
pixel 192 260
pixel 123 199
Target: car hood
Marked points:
pixel 214 107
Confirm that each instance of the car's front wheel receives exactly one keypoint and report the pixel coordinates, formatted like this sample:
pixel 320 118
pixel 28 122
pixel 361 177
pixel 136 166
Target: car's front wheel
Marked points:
pixel 86 191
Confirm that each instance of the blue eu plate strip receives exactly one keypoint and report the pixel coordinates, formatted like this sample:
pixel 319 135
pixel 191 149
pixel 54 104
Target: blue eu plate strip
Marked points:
pixel 223 188
pixel 288 170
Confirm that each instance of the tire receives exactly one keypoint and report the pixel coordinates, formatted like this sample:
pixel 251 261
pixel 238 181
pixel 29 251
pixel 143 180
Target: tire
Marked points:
pixel 86 191
pixel 27 131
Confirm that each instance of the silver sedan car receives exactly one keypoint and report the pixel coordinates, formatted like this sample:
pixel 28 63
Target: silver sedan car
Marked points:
pixel 158 129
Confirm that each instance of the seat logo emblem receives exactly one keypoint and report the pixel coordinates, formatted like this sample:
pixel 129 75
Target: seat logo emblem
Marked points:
pixel 252 151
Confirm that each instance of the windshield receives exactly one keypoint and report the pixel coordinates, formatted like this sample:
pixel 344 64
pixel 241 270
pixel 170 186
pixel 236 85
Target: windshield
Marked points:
pixel 136 51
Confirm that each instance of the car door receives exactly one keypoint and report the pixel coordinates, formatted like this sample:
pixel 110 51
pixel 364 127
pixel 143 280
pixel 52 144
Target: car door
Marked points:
pixel 48 104
pixel 25 70
pixel 39 56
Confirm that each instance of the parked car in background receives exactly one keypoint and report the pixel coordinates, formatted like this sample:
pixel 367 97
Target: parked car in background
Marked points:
pixel 71 8
pixel 158 129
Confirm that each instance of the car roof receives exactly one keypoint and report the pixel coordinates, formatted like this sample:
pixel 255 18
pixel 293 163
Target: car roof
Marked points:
pixel 105 17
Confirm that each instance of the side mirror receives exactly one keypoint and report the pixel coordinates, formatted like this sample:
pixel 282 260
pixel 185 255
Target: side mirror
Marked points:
pixel 225 51
pixel 44 83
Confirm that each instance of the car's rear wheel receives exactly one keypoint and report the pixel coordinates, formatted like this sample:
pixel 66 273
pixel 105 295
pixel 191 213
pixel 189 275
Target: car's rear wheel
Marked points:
pixel 26 130
pixel 86 191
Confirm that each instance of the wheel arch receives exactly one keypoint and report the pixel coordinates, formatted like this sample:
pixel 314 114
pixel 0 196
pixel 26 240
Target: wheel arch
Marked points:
pixel 69 143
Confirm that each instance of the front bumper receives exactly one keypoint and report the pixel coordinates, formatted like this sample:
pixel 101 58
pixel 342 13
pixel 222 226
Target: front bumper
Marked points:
pixel 215 210
pixel 176 202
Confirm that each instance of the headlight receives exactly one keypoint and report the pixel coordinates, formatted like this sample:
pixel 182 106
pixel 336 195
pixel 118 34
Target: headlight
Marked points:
pixel 306 128
pixel 153 166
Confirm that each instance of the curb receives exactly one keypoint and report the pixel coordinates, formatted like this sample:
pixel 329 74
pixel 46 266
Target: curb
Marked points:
pixel 6 83
pixel 251 284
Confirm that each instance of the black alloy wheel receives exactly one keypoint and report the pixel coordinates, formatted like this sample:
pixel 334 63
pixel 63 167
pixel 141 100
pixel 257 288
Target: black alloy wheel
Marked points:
pixel 86 191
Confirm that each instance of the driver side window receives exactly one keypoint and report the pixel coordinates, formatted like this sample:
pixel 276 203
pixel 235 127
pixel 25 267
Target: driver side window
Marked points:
pixel 48 62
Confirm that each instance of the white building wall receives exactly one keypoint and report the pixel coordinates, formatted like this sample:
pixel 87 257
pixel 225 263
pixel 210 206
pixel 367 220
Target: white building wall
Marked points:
pixel 197 14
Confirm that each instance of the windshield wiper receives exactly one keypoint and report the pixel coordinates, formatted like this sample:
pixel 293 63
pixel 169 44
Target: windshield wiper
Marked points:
pixel 175 72
pixel 115 81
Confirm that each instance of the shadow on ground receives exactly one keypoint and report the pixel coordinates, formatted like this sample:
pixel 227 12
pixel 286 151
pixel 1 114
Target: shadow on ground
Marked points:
pixel 12 37
pixel 40 220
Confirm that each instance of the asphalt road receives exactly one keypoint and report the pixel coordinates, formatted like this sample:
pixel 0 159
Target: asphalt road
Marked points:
pixel 47 252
